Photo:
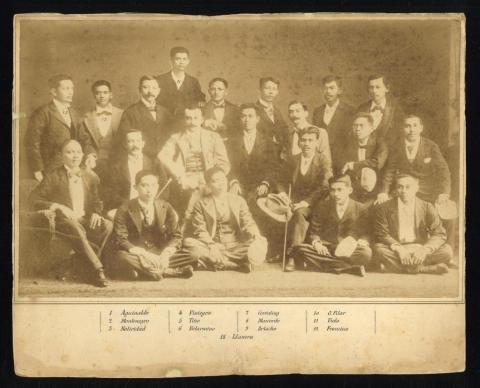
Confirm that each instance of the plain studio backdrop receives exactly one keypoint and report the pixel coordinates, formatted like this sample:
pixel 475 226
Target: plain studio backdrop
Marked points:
pixel 420 57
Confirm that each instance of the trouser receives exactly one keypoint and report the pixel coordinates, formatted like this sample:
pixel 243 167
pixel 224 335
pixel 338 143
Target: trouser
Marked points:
pixel 384 255
pixel 88 243
pixel 305 253
pixel 298 226
pixel 124 261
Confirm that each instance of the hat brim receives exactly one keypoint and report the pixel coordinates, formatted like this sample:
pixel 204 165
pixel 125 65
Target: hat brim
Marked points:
pixel 261 203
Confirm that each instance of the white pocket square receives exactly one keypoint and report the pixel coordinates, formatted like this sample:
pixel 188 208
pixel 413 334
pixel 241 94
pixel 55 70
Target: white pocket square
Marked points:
pixel 427 160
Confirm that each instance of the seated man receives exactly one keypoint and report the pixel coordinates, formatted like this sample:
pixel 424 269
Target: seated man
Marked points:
pixel 147 237
pixel 71 196
pixel 187 155
pixel 408 233
pixel 337 221
pixel 363 157
pixel 223 227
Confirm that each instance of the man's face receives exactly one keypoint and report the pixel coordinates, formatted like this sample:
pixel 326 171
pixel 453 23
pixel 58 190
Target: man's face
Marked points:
pixel 269 91
pixel 193 118
pixel 103 95
pixel 180 61
pixel 377 90
pixel 407 188
pixel 147 188
pixel 135 143
pixel 339 191
pixel 308 143
pixel 149 90
pixel 72 155
pixel 64 91
pixel 331 91
pixel 362 128
pixel 217 91
pixel 218 183
pixel 412 128
pixel 297 114
pixel 249 119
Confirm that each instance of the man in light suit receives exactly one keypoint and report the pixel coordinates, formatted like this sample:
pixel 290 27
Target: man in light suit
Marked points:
pixel 51 125
pixel 70 195
pixel 102 124
pixel 147 115
pixel 223 227
pixel 408 233
pixel 335 115
pixel 179 89
pixel 220 114
pixel 187 155
pixel 386 111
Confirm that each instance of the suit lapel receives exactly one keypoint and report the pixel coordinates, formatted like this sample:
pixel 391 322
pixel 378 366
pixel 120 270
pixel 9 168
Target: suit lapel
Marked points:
pixel 296 168
pixel 393 214
pixel 210 214
pixel 387 114
pixel 134 211
pixel 234 206
pixel 182 145
pixel 419 216
pixel 65 187
pixel 55 113
pixel 116 117
pixel 91 126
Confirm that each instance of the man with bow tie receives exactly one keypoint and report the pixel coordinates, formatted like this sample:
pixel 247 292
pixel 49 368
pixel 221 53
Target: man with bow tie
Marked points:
pixel 147 115
pixel 71 195
pixel 51 125
pixel 385 110
pixel 220 114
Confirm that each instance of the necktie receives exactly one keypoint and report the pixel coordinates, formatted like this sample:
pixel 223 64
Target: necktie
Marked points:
pixel 74 175
pixel 147 216
pixel 103 112
pixel 66 116
pixel 269 112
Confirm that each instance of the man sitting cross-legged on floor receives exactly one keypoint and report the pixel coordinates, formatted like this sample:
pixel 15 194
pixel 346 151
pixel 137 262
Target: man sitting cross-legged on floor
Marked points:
pixel 147 237
pixel 223 227
pixel 409 234
pixel 336 238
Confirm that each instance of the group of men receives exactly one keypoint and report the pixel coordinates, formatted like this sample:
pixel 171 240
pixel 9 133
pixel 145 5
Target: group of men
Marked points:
pixel 175 184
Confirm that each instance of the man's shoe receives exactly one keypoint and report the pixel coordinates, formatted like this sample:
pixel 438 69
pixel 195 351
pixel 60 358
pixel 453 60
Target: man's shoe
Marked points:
pixel 100 279
pixel 187 272
pixel 274 259
pixel 359 270
pixel 452 265
pixel 244 268
pixel 435 269
pixel 132 274
pixel 290 267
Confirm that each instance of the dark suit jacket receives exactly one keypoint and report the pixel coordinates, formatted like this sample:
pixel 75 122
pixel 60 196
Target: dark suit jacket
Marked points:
pixel 389 127
pixel 231 119
pixel 54 188
pixel 277 130
pixel 317 178
pixel 251 170
pixel 204 220
pixel 45 134
pixel 128 226
pixel 176 99
pixel 155 132
pixel 339 127
pixel 429 167
pixel 428 226
pixel 329 229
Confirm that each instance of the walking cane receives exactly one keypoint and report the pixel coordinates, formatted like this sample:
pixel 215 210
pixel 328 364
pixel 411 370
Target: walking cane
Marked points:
pixel 284 257
pixel 163 188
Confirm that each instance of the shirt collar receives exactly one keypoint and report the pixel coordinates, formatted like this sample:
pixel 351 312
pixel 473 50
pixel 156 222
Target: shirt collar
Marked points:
pixel 382 105
pixel 61 106
pixel 265 104
pixel 148 104
pixel 344 206
pixel 145 205
pixel 133 158
pixel 334 106
pixel 414 144
pixel 218 105
pixel 250 135
pixel 303 158
pixel 409 206
pixel 99 109
pixel 175 78
pixel 71 169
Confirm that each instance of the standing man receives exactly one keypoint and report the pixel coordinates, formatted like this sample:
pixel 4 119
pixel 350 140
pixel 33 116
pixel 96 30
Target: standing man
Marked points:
pixel 221 115
pixel 71 195
pixel 335 115
pixel 51 125
pixel 147 236
pixel 385 110
pixel 179 89
pixel 146 115
pixel 102 124
pixel 408 233
pixel 337 221
pixel 271 121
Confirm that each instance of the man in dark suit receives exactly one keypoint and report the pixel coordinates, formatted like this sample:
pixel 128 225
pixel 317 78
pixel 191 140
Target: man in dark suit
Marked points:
pixel 119 184
pixel 335 115
pixel 70 195
pixel 51 125
pixel 221 115
pixel 147 237
pixel 179 89
pixel 363 158
pixel 102 125
pixel 408 233
pixel 337 221
pixel 386 112
pixel 147 115
pixel 271 121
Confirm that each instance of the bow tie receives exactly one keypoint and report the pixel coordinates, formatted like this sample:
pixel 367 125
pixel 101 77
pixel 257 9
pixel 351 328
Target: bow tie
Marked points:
pixel 215 106
pixel 74 174
pixel 362 147
pixel 151 108
pixel 376 107
pixel 103 112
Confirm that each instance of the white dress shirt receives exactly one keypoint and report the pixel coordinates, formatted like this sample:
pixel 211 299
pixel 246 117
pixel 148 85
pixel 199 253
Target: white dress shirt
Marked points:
pixel 135 165
pixel 305 164
pixel 150 107
pixel 103 118
pixel 376 110
pixel 406 222
pixel 341 209
pixel 329 112
pixel 77 192
pixel 249 140
pixel 64 110
pixel 411 149
pixel 178 79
